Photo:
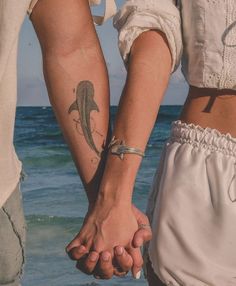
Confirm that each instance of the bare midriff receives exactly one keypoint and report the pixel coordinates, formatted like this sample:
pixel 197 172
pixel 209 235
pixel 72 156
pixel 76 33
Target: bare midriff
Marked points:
pixel 211 108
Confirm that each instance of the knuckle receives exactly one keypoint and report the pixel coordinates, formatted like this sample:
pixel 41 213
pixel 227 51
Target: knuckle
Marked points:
pixel 74 254
pixel 98 247
pixel 148 236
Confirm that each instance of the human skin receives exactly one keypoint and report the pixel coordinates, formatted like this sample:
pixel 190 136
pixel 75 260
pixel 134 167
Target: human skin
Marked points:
pixel 148 75
pixel 211 108
pixel 76 76
pixel 146 83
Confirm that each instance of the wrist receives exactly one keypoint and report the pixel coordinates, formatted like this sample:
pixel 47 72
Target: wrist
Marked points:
pixel 121 172
pixel 115 193
pixel 118 180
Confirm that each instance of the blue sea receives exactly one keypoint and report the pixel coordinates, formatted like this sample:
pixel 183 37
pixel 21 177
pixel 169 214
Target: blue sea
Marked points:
pixel 54 201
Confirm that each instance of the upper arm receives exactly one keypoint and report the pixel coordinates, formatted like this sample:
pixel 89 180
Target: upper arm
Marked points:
pixel 138 16
pixel 63 26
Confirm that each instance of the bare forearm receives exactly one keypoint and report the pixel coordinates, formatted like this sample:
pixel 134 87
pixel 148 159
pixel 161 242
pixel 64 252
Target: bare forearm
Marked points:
pixel 148 75
pixel 77 83
pixel 80 100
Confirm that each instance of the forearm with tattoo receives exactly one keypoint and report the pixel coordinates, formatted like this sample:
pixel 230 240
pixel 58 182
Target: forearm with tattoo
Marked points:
pixel 84 105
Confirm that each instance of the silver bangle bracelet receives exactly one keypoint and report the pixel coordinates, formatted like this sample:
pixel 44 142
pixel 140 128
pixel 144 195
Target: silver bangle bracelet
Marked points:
pixel 118 147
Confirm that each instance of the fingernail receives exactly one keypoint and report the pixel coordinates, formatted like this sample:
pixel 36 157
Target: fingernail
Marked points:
pixel 138 275
pixel 105 256
pixel 93 257
pixel 119 250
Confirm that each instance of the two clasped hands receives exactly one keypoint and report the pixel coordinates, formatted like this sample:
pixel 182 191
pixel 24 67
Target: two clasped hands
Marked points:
pixel 109 242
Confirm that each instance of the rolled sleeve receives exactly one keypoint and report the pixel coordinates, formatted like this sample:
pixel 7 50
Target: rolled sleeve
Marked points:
pixel 138 16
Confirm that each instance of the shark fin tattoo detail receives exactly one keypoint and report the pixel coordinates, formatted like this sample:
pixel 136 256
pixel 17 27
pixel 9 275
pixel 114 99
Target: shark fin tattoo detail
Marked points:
pixel 85 104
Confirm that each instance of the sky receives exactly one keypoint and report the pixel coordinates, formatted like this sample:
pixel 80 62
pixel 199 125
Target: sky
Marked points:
pixel 31 86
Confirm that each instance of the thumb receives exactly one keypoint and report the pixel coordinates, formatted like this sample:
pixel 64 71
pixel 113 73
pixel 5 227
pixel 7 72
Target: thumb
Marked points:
pixel 142 235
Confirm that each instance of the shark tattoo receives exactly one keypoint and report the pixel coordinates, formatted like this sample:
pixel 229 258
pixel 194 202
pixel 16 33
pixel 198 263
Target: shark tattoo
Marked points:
pixel 85 104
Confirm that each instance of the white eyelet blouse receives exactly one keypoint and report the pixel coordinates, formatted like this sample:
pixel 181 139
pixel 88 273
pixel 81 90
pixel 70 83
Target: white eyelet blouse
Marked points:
pixel 200 32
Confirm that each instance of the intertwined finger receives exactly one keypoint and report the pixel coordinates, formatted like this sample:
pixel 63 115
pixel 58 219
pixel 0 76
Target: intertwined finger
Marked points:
pixel 104 268
pixel 137 261
pixel 78 247
pixel 77 252
pixel 87 263
pixel 123 260
pixel 142 235
pixel 76 242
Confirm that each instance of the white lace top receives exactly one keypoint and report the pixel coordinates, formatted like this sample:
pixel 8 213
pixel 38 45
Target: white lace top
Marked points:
pixel 201 32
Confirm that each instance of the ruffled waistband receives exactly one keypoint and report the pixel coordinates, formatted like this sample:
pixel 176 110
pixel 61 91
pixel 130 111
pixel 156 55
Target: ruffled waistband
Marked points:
pixel 207 138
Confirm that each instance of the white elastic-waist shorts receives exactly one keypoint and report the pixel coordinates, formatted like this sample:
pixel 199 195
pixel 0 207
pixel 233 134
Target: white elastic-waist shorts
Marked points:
pixel 192 209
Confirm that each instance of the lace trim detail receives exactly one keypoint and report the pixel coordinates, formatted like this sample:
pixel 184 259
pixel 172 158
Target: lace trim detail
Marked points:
pixel 210 139
pixel 228 79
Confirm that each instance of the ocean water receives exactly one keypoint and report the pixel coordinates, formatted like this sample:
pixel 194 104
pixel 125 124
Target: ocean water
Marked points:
pixel 54 201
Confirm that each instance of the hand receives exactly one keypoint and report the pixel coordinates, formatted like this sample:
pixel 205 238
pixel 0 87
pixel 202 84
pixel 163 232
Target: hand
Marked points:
pixel 106 226
pixel 102 266
pixel 142 235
